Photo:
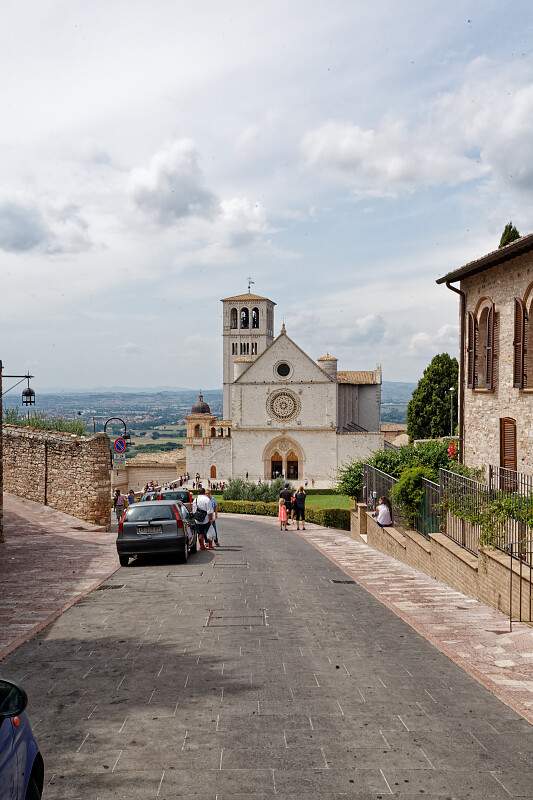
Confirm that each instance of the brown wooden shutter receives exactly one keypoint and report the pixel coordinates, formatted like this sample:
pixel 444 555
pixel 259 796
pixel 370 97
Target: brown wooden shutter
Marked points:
pixel 489 350
pixel 471 351
pixel 508 458
pixel 518 343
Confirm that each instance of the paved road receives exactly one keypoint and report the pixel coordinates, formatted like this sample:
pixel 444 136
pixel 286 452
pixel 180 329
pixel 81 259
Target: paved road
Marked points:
pixel 252 673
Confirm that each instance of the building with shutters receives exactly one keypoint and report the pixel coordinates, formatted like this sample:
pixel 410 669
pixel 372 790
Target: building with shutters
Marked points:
pixel 496 356
pixel 284 413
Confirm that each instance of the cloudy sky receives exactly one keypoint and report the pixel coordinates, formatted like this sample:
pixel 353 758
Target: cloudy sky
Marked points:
pixel 344 154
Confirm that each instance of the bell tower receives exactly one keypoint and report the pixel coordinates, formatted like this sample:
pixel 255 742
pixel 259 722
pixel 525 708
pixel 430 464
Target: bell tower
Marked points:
pixel 248 329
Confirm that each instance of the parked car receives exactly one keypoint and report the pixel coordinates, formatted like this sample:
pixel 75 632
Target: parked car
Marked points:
pixel 179 495
pixel 21 763
pixel 161 526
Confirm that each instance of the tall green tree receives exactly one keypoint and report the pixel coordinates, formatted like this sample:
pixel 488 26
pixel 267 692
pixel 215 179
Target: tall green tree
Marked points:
pixel 510 233
pixel 429 409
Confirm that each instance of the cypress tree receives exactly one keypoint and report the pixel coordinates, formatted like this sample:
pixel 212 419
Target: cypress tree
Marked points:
pixel 510 233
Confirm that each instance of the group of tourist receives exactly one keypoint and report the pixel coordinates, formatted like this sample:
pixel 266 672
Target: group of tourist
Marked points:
pixel 291 507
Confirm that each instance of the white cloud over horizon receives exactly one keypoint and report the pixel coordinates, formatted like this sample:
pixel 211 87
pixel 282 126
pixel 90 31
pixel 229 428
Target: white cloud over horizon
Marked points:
pixel 342 155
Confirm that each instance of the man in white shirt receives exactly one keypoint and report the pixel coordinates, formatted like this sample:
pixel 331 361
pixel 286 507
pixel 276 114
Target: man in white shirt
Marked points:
pixel 202 512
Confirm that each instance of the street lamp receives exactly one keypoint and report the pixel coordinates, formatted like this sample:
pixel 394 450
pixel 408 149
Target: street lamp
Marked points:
pixel 451 390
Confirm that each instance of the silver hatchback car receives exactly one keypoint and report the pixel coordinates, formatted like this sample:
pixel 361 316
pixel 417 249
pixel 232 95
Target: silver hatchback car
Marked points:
pixel 160 526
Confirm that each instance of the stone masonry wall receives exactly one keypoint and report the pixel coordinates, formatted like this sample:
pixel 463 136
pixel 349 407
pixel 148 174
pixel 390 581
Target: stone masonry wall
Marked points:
pixel 485 577
pixel 67 472
pixel 483 410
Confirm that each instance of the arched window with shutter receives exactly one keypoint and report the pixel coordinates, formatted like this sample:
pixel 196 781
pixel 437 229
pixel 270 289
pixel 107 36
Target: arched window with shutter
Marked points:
pixel 519 343
pixel 484 344
pixel 471 351
pixel 508 454
pixel 489 348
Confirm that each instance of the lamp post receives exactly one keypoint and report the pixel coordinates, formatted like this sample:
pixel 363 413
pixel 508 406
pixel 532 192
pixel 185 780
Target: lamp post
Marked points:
pixel 451 390
pixel 28 399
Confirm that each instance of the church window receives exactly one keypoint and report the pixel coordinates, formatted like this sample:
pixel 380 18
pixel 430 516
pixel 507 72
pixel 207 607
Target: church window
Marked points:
pixel 254 348
pixel 234 348
pixel 233 318
pixel 245 318
pixel 255 317
pixel 283 369
pixel 197 432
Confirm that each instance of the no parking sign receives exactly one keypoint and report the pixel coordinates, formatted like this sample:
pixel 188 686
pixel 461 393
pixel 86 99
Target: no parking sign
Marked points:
pixel 119 445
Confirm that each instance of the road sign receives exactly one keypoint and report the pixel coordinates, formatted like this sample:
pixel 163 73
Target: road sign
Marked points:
pixel 119 460
pixel 119 445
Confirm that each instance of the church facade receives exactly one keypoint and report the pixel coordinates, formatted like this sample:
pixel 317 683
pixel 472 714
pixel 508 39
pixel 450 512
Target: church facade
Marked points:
pixel 284 414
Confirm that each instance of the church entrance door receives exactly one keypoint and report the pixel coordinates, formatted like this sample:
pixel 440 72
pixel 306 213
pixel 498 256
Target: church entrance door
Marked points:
pixel 276 466
pixel 292 466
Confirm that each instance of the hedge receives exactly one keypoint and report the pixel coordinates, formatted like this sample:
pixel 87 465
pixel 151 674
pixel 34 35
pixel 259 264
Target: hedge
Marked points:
pixel 327 517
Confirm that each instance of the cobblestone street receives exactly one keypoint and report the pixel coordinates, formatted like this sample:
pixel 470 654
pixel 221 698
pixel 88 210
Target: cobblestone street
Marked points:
pixel 258 670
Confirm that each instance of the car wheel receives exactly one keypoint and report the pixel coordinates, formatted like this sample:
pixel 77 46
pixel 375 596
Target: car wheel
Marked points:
pixel 184 555
pixel 124 560
pixel 33 791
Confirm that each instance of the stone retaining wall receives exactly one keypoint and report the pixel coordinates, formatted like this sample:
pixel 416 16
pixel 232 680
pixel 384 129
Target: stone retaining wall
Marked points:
pixel 67 472
pixel 485 577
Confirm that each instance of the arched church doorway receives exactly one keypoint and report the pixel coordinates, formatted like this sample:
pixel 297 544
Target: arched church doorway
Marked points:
pixel 276 464
pixel 213 473
pixel 292 466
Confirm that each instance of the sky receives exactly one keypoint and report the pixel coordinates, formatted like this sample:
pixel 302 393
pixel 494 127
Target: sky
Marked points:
pixel 344 155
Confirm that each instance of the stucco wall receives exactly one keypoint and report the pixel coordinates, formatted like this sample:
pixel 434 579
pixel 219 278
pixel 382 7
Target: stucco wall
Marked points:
pixel 483 409
pixel 70 473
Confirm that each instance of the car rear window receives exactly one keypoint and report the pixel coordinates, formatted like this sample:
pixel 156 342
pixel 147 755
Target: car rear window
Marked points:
pixel 183 496
pixel 146 513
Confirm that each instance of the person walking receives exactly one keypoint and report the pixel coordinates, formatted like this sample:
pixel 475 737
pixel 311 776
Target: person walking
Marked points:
pixel 299 508
pixel 119 504
pixel 286 495
pixel 213 516
pixel 131 497
pixel 282 515
pixel 201 510
pixel 383 513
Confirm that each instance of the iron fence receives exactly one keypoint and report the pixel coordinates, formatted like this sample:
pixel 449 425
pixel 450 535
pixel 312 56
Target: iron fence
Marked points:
pixel 499 512
pixel 379 484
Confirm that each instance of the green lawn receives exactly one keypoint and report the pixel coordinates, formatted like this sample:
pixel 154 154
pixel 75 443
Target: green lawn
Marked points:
pixel 332 500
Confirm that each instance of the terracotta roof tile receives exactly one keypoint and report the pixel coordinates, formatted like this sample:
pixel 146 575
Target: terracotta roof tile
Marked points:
pixel 358 377
pixel 237 298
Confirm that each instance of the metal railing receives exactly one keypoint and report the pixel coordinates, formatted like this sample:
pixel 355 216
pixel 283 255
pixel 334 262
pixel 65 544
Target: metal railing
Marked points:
pixel 497 512
pixel 379 484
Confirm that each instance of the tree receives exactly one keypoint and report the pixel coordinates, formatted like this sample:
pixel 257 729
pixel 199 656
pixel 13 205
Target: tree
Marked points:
pixel 428 412
pixel 510 233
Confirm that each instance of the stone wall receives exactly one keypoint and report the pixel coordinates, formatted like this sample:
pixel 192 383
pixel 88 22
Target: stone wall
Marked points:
pixel 67 472
pixel 483 410
pixel 485 577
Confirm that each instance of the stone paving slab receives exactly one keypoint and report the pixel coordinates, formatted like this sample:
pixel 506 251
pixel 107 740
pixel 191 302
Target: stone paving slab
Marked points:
pixel 133 694
pixel 48 561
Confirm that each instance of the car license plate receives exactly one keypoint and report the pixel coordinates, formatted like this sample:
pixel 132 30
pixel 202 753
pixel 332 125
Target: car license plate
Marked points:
pixel 148 531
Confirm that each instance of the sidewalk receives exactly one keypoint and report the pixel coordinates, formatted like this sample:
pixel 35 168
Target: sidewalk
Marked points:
pixel 473 635
pixel 47 563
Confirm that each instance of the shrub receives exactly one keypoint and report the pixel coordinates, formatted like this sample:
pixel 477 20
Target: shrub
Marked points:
pixel 13 417
pixel 238 489
pixel 328 517
pixel 408 493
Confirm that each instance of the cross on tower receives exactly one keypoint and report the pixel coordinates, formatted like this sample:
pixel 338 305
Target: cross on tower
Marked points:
pixel 250 283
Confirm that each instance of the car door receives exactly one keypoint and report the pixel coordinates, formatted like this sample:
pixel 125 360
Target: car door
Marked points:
pixel 8 762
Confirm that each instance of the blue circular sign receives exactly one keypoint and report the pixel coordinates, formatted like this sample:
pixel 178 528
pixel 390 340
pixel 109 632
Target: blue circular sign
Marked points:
pixel 119 445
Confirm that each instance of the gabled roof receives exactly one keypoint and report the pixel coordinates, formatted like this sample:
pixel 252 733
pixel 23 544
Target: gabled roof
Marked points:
pixel 247 296
pixel 269 348
pixel 492 259
pixel 359 377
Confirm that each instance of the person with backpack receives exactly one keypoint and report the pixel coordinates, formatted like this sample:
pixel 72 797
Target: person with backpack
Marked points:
pixel 201 511
pixel 299 508
pixel 119 504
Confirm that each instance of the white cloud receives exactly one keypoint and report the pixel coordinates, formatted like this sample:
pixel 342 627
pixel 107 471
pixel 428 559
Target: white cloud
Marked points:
pixel 27 227
pixel 481 130
pixel 172 186
pixel 445 338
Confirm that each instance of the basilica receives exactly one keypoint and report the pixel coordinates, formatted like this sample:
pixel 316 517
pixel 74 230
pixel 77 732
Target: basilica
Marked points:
pixel 284 414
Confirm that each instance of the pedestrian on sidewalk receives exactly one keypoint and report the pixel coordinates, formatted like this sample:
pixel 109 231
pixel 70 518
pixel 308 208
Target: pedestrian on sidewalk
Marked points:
pixel 213 516
pixel 201 510
pixel 299 508
pixel 383 513
pixel 282 515
pixel 119 504
pixel 286 495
